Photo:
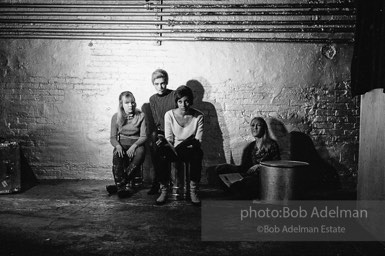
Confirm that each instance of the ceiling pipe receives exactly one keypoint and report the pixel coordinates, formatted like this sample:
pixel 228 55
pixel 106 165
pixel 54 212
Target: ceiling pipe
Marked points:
pixel 172 22
pixel 183 13
pixel 160 12
pixel 198 38
pixel 182 6
pixel 176 31
pixel 83 22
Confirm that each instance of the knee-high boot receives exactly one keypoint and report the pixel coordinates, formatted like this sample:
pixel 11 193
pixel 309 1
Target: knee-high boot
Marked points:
pixel 113 189
pixel 121 181
pixel 118 176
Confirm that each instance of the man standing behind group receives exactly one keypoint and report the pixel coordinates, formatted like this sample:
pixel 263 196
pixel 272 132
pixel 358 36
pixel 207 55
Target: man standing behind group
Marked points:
pixel 160 103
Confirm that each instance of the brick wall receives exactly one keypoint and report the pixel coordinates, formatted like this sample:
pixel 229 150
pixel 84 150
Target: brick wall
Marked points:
pixel 57 97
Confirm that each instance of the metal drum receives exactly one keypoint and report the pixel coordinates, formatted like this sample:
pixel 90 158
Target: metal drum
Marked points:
pixel 180 181
pixel 282 180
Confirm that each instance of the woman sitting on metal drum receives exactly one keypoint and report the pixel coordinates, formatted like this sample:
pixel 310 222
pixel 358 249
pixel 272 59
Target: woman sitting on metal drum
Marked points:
pixel 128 135
pixel 184 130
pixel 263 148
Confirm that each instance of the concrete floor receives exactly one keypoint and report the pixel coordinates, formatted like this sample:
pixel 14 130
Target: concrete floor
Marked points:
pixel 79 218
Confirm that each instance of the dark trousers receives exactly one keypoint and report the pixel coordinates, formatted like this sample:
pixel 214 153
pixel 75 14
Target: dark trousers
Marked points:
pixel 190 153
pixel 193 156
pixel 121 164
pixel 160 163
pixel 247 188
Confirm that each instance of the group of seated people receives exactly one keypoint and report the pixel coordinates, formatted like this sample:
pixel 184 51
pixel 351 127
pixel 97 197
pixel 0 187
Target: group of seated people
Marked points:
pixel 180 126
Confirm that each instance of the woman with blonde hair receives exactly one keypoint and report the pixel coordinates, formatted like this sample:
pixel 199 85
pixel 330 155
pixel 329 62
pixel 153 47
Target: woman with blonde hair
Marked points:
pixel 128 135
pixel 263 148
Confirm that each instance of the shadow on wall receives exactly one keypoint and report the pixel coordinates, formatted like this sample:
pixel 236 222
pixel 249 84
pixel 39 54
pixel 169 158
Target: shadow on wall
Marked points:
pixel 298 146
pixel 28 178
pixel 212 141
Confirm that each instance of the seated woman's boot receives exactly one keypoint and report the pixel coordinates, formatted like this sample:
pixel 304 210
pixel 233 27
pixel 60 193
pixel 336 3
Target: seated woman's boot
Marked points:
pixel 111 189
pixel 163 195
pixel 124 190
pixel 120 183
pixel 194 193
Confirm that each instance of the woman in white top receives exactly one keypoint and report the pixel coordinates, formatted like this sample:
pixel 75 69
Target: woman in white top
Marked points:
pixel 184 130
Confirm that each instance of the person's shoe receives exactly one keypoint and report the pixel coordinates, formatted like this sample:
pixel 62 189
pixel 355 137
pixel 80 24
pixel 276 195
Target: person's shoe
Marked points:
pixel 112 189
pixel 125 191
pixel 194 193
pixel 154 189
pixel 163 195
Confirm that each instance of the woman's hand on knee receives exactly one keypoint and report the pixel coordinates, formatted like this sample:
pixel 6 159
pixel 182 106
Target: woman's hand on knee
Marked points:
pixel 131 151
pixel 119 150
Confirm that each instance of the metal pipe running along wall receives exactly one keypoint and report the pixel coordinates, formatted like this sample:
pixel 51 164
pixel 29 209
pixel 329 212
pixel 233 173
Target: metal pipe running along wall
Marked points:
pixel 184 13
pixel 148 6
pixel 162 38
pixel 177 31
pixel 340 26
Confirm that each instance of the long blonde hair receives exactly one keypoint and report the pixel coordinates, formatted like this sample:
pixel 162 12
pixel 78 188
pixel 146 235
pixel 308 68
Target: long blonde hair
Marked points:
pixel 122 116
pixel 266 139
